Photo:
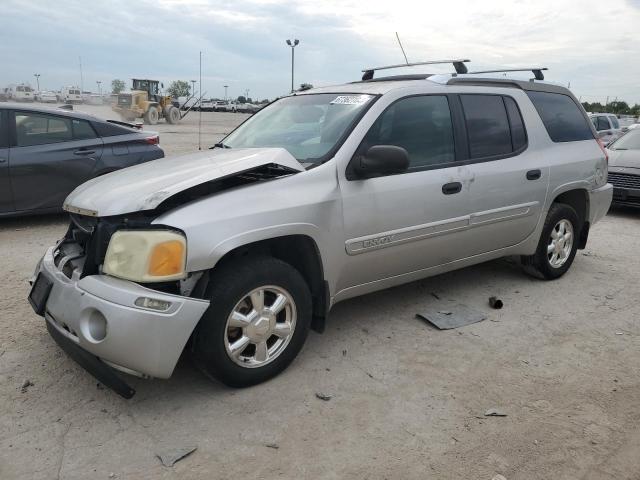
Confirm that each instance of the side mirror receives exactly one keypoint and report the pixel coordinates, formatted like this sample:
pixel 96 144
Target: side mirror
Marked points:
pixel 381 160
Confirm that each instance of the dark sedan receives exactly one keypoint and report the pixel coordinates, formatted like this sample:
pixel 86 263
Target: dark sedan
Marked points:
pixel 47 152
pixel 624 168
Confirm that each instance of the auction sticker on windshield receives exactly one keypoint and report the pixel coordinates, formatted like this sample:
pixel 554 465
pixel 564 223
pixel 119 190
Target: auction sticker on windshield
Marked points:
pixel 350 100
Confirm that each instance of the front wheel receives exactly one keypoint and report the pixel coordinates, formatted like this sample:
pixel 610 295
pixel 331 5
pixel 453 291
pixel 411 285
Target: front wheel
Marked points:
pixel 257 321
pixel 151 116
pixel 558 244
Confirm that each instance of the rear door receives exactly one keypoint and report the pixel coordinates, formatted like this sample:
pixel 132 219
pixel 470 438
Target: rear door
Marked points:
pixel 508 181
pixel 50 156
pixel 6 197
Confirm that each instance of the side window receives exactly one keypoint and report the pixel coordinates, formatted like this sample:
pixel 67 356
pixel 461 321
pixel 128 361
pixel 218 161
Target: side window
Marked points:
pixel 40 129
pixel 421 125
pixel 602 123
pixel 82 130
pixel 518 133
pixel 614 122
pixel 562 118
pixel 487 125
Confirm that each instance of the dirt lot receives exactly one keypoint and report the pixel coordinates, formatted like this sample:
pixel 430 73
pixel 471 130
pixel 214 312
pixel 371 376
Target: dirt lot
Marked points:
pixel 561 360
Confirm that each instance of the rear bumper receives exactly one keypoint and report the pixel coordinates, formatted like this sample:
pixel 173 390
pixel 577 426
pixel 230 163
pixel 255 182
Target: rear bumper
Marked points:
pixel 98 315
pixel 599 202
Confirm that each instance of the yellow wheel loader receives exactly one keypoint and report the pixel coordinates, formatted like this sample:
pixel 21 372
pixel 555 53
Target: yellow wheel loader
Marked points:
pixel 146 101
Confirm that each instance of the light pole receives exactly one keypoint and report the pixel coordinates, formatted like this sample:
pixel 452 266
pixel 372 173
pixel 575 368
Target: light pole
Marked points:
pixel 293 46
pixel 246 94
pixel 193 87
pixel 99 89
pixel 37 75
pixel 225 92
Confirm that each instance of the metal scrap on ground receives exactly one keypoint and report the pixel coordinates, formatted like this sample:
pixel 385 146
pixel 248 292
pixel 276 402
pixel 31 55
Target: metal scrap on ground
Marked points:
pixel 170 456
pixel 452 317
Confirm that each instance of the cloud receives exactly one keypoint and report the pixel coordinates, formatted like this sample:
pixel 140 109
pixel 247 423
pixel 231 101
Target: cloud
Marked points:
pixel 592 45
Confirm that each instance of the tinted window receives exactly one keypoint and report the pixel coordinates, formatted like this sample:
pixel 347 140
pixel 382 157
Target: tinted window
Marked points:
pixel 602 123
pixel 420 125
pixel 38 129
pixel 106 129
pixel 487 125
pixel 614 122
pixel 518 133
pixel 3 130
pixel 561 116
pixel 82 130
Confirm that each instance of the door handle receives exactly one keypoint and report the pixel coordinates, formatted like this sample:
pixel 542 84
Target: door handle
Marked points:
pixel 451 188
pixel 534 174
pixel 84 152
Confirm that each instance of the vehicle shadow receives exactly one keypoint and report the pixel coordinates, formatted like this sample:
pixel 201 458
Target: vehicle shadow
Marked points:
pixel 622 211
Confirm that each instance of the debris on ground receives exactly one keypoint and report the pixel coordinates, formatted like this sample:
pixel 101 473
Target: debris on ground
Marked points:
pixel 275 446
pixel 498 477
pixel 435 295
pixel 454 317
pixel 494 412
pixel 172 455
pixel 496 303
pixel 26 385
pixel 324 396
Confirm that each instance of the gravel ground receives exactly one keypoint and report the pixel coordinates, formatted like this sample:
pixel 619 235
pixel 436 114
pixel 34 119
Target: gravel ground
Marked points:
pixel 408 401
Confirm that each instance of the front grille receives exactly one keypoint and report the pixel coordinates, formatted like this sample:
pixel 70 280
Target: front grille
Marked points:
pixel 624 180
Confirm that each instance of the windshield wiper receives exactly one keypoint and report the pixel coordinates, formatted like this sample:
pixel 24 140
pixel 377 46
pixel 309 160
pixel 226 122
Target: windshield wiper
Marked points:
pixel 219 145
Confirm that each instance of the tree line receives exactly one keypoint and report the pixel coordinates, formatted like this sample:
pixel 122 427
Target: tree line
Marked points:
pixel 618 107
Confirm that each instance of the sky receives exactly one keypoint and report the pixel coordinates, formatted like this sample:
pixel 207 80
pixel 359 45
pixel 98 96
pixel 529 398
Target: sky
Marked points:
pixel 592 44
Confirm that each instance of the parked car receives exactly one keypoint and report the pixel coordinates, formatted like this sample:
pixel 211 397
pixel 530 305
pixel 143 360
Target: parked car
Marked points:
pixel 220 106
pixel 4 97
pixel 70 95
pixel 46 152
pixel 633 126
pixel 607 126
pixel 321 196
pixel 46 97
pixel 624 168
pixel 20 93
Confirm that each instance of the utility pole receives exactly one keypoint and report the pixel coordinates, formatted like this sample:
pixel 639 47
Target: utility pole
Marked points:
pixel 225 92
pixel 293 46
pixel 37 75
pixel 193 87
pixel 81 78
pixel 99 89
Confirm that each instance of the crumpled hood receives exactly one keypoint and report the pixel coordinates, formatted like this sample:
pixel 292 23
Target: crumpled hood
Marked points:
pixel 145 186
pixel 624 158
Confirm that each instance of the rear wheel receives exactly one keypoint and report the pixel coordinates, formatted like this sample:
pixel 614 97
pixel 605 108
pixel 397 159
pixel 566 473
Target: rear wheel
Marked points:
pixel 172 115
pixel 558 244
pixel 151 116
pixel 257 322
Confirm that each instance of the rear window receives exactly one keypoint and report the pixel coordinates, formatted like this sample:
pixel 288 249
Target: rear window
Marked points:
pixel 106 129
pixel 487 125
pixel 561 116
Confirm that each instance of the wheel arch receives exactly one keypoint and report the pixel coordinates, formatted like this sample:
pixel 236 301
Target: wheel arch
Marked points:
pixel 300 250
pixel 578 199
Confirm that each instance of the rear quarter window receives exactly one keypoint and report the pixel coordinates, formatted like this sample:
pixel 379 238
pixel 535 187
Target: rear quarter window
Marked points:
pixel 560 115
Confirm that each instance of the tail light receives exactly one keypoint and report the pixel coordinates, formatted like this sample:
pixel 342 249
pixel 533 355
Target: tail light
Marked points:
pixel 154 140
pixel 604 151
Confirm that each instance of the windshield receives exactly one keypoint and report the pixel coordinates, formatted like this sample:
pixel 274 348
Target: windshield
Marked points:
pixel 307 126
pixel 629 141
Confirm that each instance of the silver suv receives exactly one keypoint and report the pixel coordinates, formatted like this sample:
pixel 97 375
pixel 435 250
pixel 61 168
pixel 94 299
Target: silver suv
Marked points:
pixel 236 252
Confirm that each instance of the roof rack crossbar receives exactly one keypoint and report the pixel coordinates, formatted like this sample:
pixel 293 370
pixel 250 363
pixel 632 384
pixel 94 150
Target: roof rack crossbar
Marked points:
pixel 459 66
pixel 537 71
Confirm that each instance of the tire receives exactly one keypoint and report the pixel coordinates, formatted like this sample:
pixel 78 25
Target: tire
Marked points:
pixel 549 265
pixel 228 291
pixel 172 115
pixel 151 116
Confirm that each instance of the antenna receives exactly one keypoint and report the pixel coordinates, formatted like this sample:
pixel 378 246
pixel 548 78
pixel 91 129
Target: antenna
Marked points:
pixel 401 48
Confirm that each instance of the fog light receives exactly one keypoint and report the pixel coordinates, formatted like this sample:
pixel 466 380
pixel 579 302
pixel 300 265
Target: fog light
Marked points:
pixel 153 303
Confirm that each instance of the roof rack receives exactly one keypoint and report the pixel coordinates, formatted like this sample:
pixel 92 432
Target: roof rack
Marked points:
pixel 537 71
pixel 457 64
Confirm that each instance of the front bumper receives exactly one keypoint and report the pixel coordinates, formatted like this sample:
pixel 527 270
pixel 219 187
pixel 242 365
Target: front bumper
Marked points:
pixel 98 314
pixel 599 202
